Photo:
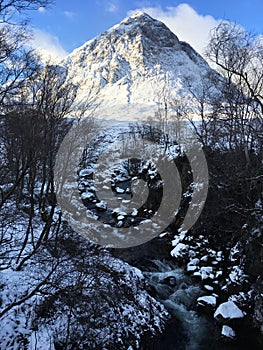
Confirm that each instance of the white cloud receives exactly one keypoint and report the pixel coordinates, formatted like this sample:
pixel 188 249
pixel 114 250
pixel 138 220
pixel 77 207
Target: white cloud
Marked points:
pixel 186 23
pixel 112 7
pixel 69 14
pixel 41 9
pixel 47 45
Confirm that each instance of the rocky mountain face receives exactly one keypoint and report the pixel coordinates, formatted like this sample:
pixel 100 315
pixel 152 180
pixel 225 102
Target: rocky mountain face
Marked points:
pixel 129 66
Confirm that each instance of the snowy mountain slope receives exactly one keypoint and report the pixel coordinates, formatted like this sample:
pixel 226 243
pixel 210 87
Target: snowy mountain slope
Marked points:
pixel 128 66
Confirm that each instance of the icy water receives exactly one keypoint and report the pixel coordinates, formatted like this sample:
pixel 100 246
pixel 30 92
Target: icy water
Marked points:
pixel 189 330
pixel 178 294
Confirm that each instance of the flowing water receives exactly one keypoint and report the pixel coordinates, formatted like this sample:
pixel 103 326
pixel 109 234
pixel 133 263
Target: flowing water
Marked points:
pixel 178 294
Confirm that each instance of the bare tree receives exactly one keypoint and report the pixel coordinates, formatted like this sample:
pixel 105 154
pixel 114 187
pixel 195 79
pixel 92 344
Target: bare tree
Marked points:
pixel 17 65
pixel 239 58
pixel 15 61
pixel 9 8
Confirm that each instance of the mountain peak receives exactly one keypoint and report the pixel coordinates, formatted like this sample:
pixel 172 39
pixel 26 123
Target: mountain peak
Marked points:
pixel 137 19
pixel 129 63
pixel 150 29
pixel 140 15
pixel 140 18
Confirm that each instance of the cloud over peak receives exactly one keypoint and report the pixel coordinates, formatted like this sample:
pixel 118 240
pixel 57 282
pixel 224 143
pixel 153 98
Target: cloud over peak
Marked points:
pixel 47 45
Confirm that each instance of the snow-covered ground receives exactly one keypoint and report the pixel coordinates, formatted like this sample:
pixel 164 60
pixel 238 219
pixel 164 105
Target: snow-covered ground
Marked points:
pixel 91 299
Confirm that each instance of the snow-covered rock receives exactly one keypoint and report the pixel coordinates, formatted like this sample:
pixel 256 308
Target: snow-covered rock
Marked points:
pixel 197 274
pixel 194 262
pixel 134 212
pixel 192 265
pixel 120 190
pixel 206 272
pixel 119 224
pixel 237 275
pixel 204 258
pixel 207 300
pixel 209 288
pixel 101 206
pixel 179 250
pixel 191 268
pixel 87 195
pixel 228 332
pixel 85 173
pixel 228 311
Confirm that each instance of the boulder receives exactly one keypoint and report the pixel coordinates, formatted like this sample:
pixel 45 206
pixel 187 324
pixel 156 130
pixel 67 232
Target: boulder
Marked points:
pixel 228 311
pixel 206 303
pixel 228 333
pixel 101 206
pixel 169 280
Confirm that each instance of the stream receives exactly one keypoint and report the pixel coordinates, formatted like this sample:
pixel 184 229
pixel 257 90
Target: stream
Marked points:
pixel 167 282
pixel 176 291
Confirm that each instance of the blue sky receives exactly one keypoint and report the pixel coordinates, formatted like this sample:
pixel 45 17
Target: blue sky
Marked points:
pixel 67 24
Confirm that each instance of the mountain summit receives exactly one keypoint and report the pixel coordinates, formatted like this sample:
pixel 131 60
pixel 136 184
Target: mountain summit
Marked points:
pixel 128 65
pixel 153 33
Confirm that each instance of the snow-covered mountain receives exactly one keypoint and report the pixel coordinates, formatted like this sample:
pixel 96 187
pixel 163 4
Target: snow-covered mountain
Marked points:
pixel 129 67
